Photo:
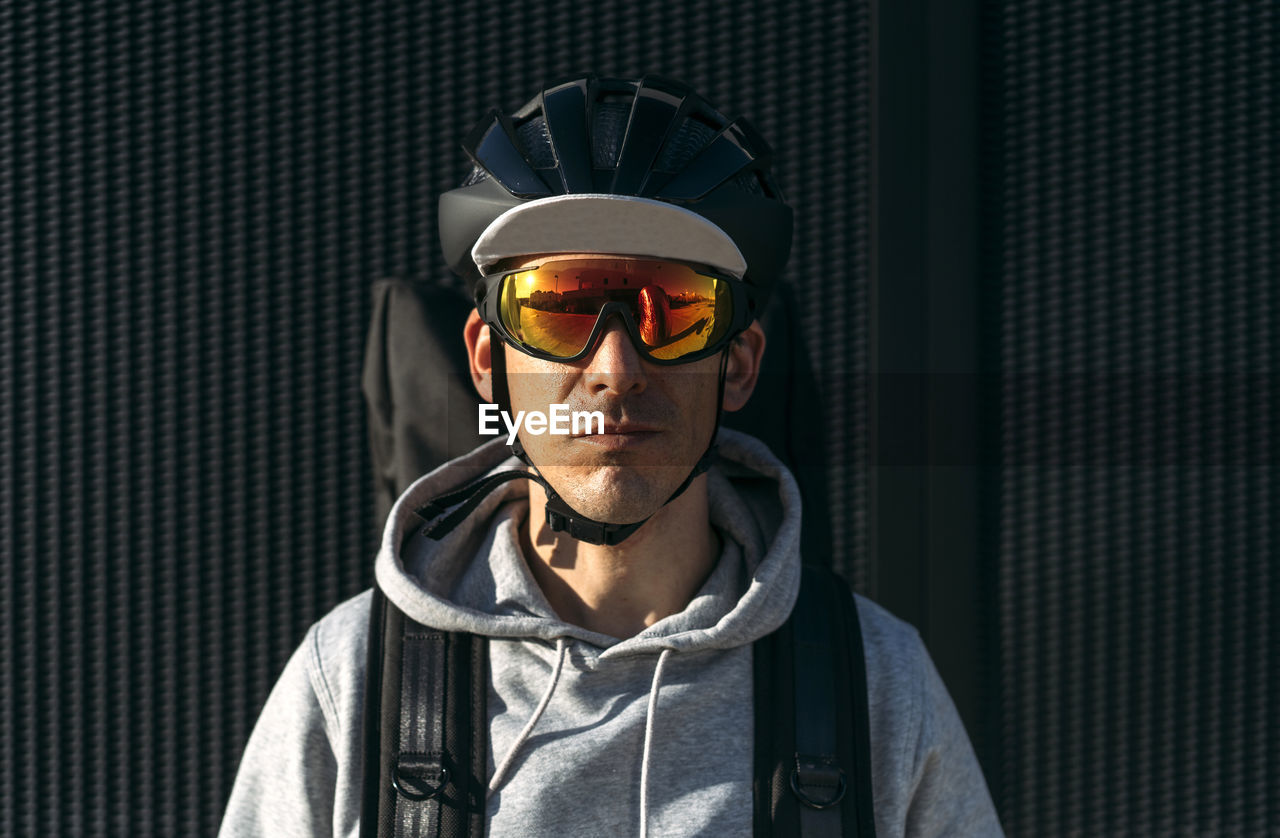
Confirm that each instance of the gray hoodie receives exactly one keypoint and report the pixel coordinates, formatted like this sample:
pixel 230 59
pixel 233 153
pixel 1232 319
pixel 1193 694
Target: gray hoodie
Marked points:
pixel 591 735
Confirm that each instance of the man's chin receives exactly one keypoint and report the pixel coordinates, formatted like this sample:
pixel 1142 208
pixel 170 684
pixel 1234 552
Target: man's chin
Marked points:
pixel 616 494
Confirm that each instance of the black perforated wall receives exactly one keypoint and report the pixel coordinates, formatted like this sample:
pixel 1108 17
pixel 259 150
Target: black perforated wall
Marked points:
pixel 1131 186
pixel 196 197
pixel 196 200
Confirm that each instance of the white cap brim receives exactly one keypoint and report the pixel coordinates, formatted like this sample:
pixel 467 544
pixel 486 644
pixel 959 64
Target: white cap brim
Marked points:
pixel 620 225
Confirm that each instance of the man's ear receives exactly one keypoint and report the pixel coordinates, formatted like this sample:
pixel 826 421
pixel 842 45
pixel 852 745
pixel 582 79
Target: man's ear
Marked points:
pixel 476 335
pixel 745 354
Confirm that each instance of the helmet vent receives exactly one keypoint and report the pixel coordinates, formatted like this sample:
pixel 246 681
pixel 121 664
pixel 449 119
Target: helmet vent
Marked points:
pixel 608 130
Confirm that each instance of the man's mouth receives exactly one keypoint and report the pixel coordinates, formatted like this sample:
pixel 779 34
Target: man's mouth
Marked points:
pixel 619 436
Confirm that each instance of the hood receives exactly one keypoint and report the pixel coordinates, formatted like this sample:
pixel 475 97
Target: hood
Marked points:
pixel 476 580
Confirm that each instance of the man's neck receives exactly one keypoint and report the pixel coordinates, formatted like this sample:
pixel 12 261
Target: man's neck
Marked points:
pixel 621 590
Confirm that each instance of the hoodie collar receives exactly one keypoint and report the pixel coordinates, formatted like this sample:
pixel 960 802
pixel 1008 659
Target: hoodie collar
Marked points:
pixel 476 580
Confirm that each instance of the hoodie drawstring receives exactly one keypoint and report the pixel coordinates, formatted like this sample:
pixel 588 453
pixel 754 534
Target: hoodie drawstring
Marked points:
pixel 562 644
pixel 648 739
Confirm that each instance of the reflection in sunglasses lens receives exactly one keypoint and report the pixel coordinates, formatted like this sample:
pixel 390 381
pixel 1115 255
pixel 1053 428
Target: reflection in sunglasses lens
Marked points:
pixel 554 307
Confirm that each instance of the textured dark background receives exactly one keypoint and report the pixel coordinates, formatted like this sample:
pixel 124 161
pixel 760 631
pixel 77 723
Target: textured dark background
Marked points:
pixel 197 198
pixel 1131 185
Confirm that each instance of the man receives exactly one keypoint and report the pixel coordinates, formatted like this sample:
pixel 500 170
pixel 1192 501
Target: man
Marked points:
pixel 621 238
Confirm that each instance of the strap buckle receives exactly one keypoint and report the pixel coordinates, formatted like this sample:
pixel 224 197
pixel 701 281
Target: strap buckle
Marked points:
pixel 561 518
pixel 419 776
pixel 818 781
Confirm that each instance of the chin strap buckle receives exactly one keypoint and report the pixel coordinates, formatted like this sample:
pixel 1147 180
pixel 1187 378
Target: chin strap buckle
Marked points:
pixel 562 518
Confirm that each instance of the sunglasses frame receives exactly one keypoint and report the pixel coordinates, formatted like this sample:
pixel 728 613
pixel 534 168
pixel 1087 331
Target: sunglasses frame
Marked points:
pixel 488 292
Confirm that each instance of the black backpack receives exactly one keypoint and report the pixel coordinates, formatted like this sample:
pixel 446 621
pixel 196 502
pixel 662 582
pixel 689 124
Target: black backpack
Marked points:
pixel 425 758
pixel 425 724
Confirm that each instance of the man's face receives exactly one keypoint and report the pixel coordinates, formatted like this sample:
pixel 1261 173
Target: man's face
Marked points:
pixel 658 419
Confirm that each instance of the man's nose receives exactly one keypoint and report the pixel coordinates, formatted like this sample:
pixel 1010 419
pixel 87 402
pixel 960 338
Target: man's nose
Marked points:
pixel 615 365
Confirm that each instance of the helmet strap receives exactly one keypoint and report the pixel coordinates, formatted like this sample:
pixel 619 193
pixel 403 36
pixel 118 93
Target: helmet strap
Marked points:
pixel 560 516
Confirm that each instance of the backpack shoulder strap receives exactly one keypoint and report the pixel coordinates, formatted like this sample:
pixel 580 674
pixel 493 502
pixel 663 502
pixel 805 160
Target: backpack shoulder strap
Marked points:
pixel 855 703
pixel 813 755
pixel 425 729
pixel 426 739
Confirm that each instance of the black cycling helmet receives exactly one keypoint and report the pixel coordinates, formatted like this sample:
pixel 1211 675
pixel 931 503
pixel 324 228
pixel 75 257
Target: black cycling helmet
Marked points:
pixel 639 168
